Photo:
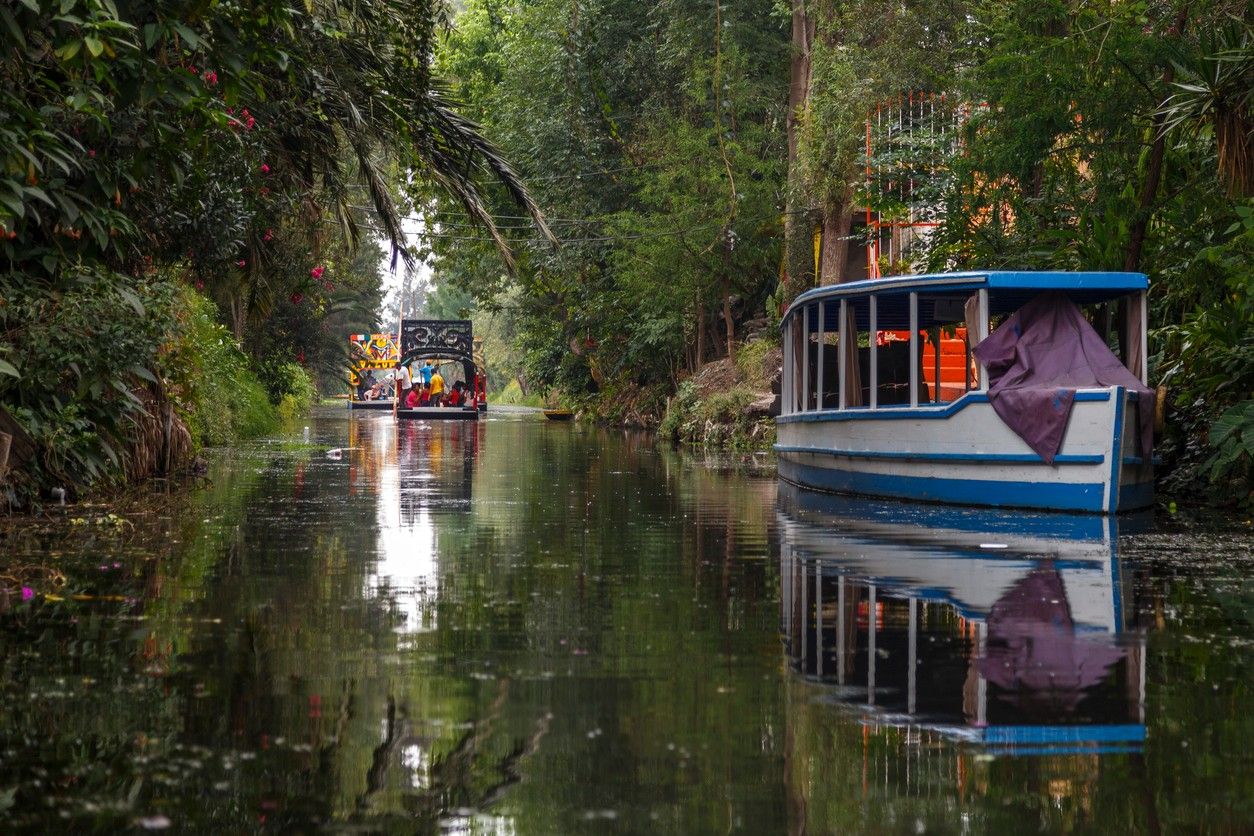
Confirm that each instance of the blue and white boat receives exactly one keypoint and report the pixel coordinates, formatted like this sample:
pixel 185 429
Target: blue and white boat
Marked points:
pixel 860 414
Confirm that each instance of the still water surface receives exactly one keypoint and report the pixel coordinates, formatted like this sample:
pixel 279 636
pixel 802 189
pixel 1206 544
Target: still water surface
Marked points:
pixel 519 627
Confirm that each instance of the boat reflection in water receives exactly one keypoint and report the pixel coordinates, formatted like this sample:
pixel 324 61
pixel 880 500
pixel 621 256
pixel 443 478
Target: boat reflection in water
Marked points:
pixel 1001 629
pixel 429 468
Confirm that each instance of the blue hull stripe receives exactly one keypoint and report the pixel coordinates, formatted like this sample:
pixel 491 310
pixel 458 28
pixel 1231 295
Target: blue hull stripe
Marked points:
pixel 922 412
pixel 986 458
pixel 832 507
pixel 1061 497
pixel 1009 735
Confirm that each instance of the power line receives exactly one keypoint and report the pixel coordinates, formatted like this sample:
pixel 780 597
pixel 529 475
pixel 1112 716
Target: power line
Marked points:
pixel 464 215
pixel 581 174
pixel 587 239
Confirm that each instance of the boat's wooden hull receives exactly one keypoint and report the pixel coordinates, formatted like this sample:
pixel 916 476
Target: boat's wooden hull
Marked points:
pixel 963 453
pixel 559 414
pixel 439 413
pixel 372 405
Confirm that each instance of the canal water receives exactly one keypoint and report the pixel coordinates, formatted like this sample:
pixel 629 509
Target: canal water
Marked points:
pixel 521 627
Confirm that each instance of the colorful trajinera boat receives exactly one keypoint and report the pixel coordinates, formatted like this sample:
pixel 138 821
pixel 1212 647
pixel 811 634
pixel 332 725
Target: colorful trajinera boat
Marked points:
pixel 373 359
pixel 447 343
pixel 901 387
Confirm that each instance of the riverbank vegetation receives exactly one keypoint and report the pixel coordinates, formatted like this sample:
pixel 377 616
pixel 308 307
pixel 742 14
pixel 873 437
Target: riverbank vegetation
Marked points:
pixel 188 199
pixel 705 162
pixel 165 168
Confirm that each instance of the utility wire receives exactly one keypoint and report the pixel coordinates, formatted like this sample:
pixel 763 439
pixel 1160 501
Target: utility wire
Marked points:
pixel 584 240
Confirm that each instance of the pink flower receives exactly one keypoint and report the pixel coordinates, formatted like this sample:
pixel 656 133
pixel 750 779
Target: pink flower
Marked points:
pixel 269 235
pixel 329 286
pixel 200 285
pixel 317 272
pixel 296 297
pixel 27 593
pixel 211 78
pixel 241 263
pixel 193 71
pixel 91 152
pixel 265 169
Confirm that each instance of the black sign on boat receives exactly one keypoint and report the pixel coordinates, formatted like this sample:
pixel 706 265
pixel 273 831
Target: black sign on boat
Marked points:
pixel 441 341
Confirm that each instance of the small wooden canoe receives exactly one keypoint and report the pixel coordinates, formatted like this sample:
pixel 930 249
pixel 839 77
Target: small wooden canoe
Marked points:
pixel 558 414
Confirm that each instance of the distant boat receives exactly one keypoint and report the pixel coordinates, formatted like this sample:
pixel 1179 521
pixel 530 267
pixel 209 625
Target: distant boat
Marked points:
pixel 378 404
pixel 559 414
pixel 1061 423
pixel 441 341
pixel 370 353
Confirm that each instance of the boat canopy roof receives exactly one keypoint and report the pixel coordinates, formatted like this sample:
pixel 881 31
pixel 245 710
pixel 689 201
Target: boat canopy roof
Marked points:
pixel 1008 291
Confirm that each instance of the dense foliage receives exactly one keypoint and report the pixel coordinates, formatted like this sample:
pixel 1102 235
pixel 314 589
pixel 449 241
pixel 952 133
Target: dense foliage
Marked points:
pixel 243 151
pixel 690 154
pixel 653 136
pixel 1138 159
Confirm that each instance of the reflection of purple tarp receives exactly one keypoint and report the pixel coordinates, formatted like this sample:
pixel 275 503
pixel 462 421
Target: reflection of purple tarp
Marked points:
pixel 1037 359
pixel 1033 651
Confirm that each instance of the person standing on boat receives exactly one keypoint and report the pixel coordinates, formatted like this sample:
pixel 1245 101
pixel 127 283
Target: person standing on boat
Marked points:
pixel 437 387
pixel 426 371
pixel 403 383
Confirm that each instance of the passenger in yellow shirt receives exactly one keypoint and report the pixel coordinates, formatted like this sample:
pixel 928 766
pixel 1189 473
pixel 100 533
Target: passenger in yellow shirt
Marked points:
pixel 437 388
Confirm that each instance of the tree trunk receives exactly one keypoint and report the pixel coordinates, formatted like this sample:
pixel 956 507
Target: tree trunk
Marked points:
pixel 728 321
pixel 798 225
pixel 835 255
pixel 700 334
pixel 237 319
pixel 1154 169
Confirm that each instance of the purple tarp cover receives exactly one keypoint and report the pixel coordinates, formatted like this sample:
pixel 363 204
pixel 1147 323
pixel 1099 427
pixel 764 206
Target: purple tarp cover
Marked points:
pixel 1036 361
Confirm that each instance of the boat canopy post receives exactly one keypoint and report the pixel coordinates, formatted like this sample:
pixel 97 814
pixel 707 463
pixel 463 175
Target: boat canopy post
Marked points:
pixel 798 335
pixel 936 355
pixel 805 357
pixel 873 383
pixel 842 341
pixel 981 335
pixel 914 348
pixel 787 371
pixel 1133 336
pixel 818 401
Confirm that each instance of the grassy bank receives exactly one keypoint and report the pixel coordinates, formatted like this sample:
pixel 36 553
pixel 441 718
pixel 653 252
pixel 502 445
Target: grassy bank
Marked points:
pixel 142 381
pixel 727 402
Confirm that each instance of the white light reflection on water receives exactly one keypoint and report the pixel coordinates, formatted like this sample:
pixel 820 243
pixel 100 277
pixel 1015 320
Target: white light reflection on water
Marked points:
pixel 404 475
